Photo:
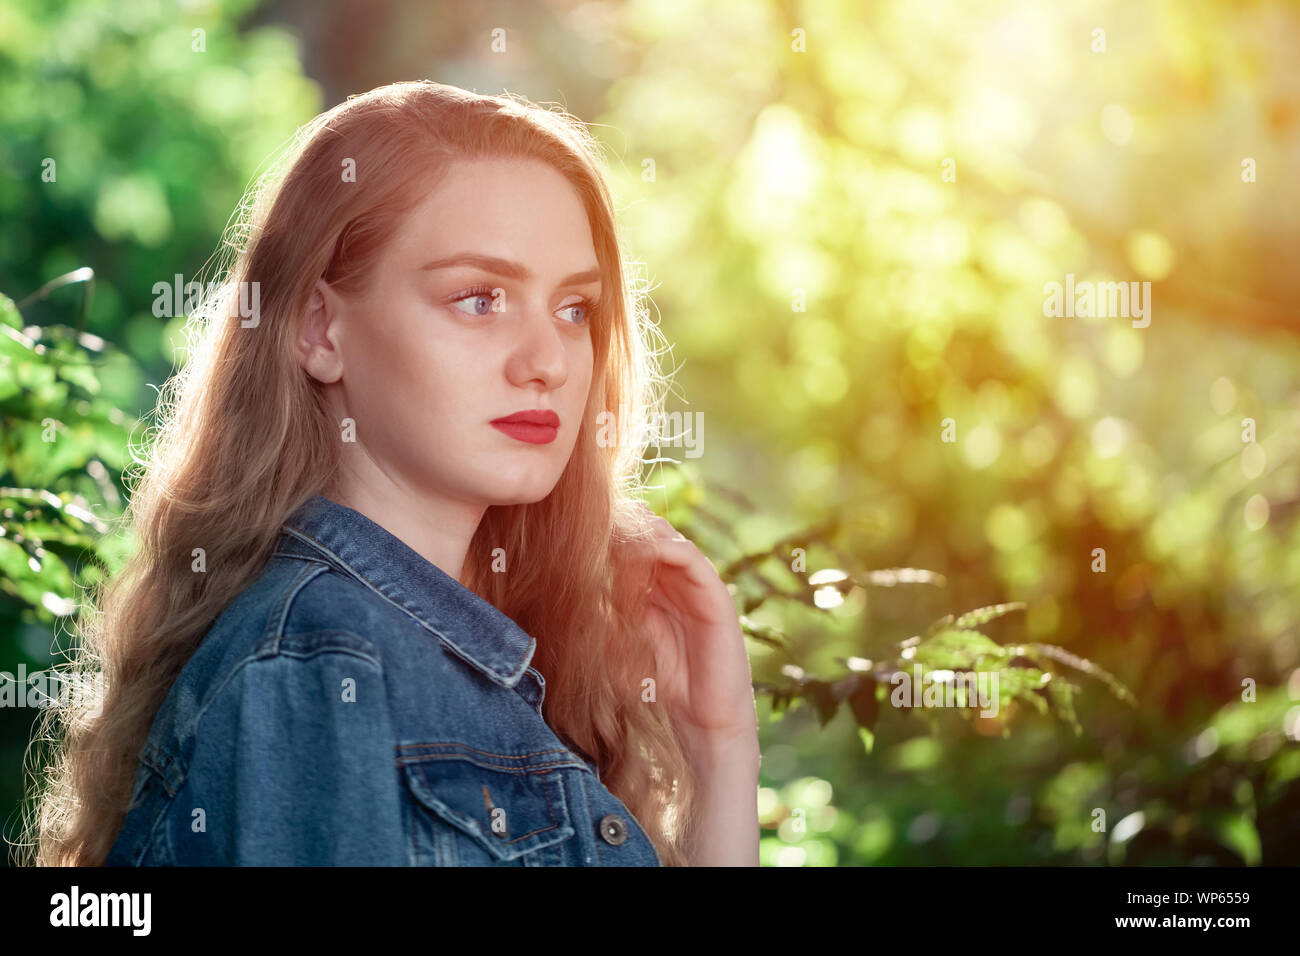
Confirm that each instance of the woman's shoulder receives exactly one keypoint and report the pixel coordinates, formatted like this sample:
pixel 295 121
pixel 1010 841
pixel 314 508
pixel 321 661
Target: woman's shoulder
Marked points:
pixel 289 598
pixel 444 656
pixel 294 617
pixel 300 607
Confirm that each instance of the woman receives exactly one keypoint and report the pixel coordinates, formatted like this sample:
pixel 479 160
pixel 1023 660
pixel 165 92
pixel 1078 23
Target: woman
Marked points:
pixel 394 600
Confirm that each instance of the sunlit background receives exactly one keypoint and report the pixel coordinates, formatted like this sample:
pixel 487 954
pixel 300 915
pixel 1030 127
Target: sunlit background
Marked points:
pixel 850 214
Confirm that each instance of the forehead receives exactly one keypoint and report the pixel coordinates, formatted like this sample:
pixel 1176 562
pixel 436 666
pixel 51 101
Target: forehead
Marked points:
pixel 518 209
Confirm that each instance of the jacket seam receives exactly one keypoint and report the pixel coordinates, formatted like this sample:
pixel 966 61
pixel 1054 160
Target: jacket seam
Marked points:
pixel 344 567
pixel 538 768
pixel 243 664
pixel 597 839
pixel 147 843
pixel 275 620
pixel 486 753
pixel 454 750
pixel 158 834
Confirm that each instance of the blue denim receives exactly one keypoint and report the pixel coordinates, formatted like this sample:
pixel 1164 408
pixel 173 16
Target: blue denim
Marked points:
pixel 355 705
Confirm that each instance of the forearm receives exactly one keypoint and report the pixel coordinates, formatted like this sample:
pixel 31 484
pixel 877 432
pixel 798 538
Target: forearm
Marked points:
pixel 726 824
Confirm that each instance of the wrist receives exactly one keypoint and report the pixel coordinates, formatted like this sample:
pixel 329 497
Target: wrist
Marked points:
pixel 713 750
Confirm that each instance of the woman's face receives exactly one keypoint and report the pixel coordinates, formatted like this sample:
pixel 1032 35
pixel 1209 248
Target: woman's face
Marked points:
pixel 480 308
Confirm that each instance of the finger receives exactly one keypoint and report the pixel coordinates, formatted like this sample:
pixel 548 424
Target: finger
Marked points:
pixel 677 550
pixel 679 553
pixel 661 526
pixel 668 532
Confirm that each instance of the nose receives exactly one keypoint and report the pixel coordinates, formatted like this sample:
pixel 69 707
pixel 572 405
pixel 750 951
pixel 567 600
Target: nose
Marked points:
pixel 539 354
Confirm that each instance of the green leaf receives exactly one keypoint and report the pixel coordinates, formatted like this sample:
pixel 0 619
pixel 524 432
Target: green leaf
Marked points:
pixel 1236 831
pixel 1060 695
pixel 819 694
pixel 762 633
pixel 957 649
pixel 868 739
pixel 985 614
pixel 1052 652
pixel 9 314
pixel 864 703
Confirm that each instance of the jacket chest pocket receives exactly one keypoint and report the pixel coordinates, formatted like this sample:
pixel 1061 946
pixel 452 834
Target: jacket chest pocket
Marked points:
pixel 476 808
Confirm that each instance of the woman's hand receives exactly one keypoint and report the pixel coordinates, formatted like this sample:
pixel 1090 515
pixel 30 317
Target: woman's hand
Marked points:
pixel 704 675
pixel 705 681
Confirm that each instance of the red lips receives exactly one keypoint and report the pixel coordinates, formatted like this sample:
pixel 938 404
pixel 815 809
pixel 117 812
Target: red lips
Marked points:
pixel 535 426
pixel 538 416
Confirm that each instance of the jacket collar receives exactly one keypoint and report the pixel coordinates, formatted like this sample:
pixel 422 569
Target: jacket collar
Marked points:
pixel 473 628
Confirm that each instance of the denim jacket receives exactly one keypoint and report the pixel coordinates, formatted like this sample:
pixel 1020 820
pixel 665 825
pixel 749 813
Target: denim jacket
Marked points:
pixel 355 705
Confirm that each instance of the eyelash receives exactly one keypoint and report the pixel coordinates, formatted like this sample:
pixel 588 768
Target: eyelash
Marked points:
pixel 592 305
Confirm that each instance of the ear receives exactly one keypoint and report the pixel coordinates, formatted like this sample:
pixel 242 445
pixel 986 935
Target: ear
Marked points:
pixel 318 342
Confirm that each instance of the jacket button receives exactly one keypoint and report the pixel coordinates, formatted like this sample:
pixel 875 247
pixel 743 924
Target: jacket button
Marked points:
pixel 612 829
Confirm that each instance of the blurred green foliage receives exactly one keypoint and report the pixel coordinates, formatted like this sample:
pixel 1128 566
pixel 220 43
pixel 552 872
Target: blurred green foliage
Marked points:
pixel 151 144
pixel 58 433
pixel 852 244
pixel 850 212
pixel 122 150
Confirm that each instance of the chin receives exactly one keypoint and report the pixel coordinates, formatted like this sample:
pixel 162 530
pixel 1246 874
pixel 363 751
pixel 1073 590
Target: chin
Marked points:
pixel 526 495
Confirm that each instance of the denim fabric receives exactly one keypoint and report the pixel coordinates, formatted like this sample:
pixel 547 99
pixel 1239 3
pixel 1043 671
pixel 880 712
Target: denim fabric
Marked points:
pixel 355 705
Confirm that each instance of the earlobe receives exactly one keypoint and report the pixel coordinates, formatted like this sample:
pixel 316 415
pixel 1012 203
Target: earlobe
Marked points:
pixel 318 352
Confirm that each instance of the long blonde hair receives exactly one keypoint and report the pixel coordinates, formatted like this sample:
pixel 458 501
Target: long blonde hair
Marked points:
pixel 244 437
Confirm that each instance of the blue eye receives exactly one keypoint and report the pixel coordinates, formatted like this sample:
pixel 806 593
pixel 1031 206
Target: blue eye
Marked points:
pixel 483 298
pixel 480 296
pixel 585 306
pixel 591 308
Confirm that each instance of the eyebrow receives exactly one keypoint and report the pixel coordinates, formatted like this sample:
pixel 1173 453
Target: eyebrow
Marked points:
pixel 504 267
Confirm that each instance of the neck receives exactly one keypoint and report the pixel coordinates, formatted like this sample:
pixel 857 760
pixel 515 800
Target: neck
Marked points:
pixel 437 528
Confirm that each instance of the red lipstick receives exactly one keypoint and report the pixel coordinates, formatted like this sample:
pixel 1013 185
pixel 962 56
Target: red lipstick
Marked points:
pixel 536 426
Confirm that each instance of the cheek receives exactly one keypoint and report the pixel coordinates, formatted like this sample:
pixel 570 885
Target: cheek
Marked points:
pixel 581 363
pixel 406 370
pixel 437 382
